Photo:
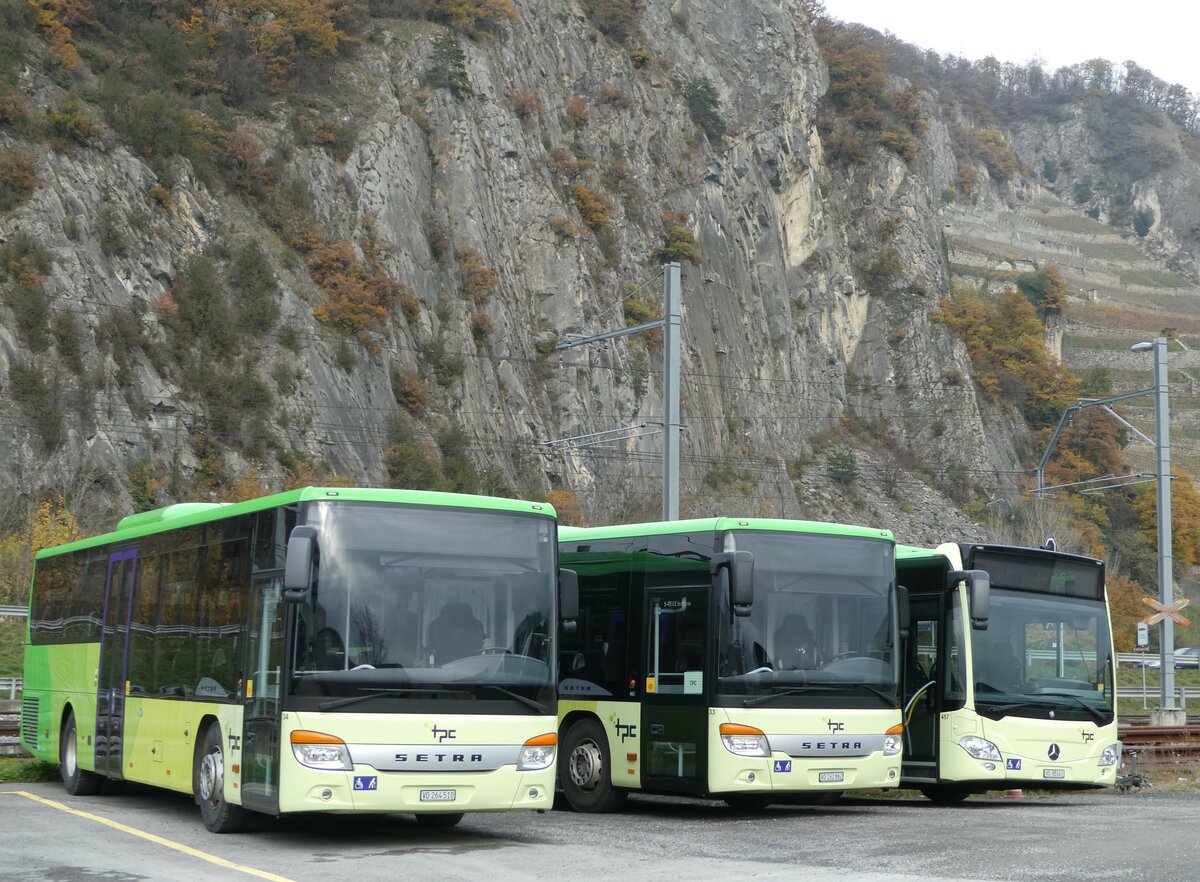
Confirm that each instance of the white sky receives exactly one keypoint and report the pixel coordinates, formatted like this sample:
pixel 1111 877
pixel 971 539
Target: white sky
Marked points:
pixel 1162 36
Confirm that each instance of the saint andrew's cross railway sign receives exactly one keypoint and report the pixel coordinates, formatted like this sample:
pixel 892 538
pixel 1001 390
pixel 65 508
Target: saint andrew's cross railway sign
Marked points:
pixel 1166 610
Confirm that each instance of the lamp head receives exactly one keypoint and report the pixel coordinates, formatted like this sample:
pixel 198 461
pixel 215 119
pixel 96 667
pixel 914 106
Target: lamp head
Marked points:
pixel 1141 347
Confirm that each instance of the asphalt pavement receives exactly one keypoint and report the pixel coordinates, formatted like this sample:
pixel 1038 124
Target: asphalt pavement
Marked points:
pixel 142 834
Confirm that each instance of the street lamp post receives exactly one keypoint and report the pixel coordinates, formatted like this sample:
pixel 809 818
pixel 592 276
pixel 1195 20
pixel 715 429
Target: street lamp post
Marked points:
pixel 1162 446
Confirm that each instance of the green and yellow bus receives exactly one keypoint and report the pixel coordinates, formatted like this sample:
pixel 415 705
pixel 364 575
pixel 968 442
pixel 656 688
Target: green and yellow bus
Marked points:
pixel 750 660
pixel 319 650
pixel 1009 671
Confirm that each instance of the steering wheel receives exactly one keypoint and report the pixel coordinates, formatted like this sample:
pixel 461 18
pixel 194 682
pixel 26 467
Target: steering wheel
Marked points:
pixel 849 653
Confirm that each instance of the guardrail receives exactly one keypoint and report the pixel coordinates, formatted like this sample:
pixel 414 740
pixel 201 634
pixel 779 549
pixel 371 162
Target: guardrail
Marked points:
pixel 12 684
pixel 1152 691
pixel 19 611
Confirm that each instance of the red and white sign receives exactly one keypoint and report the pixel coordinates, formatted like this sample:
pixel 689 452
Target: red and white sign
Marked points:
pixel 1165 611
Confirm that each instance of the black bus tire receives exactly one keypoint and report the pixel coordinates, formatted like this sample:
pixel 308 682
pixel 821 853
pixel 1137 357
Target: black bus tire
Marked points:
pixel 585 770
pixel 440 819
pixel 945 794
pixel 748 802
pixel 208 785
pixel 77 781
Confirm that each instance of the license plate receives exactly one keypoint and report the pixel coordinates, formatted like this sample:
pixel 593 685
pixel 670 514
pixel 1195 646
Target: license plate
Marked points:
pixel 1054 773
pixel 437 795
pixel 831 777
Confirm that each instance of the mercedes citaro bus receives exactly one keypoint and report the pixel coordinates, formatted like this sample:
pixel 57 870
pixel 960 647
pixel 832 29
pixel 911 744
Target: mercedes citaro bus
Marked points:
pixel 319 650
pixel 749 660
pixel 1008 672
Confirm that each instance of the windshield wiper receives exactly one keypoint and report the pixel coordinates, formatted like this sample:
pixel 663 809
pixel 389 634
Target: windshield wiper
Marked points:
pixel 780 692
pixel 1097 714
pixel 892 700
pixel 383 693
pixel 536 705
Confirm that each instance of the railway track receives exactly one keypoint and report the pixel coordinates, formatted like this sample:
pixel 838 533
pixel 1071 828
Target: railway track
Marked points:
pixel 1159 746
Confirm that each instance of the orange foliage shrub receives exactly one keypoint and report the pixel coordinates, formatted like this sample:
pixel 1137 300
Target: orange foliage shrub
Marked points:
pixel 595 208
pixel 241 158
pixel 563 164
pixel 356 298
pixel 566 505
pixel 525 103
pixel 481 327
pixel 56 18
pixel 478 281
pixel 1004 339
pixel 577 112
pixel 476 18
pixel 17 177
pixel 13 108
pixel 1185 517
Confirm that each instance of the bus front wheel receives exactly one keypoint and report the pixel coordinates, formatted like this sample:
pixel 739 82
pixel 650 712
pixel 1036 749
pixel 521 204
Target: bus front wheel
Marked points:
pixel 208 784
pixel 586 772
pixel 945 794
pixel 77 781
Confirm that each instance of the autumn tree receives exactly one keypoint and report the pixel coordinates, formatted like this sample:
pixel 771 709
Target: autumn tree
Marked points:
pixel 1185 518
pixel 1046 289
pixel 617 19
pixel 478 19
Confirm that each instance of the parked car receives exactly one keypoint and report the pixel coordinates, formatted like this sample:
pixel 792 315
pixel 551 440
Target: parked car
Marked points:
pixel 1187 657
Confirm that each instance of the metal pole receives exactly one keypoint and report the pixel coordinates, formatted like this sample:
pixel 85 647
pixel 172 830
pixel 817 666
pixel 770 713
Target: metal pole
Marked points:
pixel 672 350
pixel 1162 438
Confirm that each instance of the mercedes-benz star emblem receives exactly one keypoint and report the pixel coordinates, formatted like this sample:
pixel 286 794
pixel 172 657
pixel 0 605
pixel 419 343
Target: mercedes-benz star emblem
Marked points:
pixel 1053 752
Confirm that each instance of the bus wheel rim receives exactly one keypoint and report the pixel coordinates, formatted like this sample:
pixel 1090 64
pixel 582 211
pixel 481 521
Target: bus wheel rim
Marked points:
pixel 69 761
pixel 211 785
pixel 586 765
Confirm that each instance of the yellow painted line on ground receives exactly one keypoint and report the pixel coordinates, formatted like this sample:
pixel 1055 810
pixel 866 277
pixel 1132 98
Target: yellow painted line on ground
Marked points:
pixel 158 840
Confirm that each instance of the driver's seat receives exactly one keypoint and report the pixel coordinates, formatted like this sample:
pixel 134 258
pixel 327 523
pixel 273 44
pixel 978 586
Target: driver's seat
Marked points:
pixel 455 633
pixel 795 644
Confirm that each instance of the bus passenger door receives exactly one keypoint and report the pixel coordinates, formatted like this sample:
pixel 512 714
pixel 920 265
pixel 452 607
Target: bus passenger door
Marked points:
pixel 921 691
pixel 675 689
pixel 264 666
pixel 114 662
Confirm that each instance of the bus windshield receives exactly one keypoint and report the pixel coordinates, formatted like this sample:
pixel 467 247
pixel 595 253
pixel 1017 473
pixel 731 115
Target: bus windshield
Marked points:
pixel 822 622
pixel 1043 656
pixel 429 604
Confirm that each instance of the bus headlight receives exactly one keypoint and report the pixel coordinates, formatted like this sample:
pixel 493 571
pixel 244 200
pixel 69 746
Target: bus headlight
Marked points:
pixel 979 748
pixel 892 740
pixel 320 751
pixel 1110 755
pixel 538 753
pixel 745 740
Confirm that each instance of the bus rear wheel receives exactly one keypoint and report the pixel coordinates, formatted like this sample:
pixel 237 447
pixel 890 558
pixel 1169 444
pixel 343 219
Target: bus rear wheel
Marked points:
pixel 945 794
pixel 447 819
pixel 77 781
pixel 586 773
pixel 208 785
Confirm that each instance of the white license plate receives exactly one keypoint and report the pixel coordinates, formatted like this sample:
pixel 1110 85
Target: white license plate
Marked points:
pixel 831 777
pixel 1054 773
pixel 437 795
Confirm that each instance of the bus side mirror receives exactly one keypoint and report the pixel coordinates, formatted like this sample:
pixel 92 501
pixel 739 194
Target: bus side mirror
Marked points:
pixel 903 611
pixel 297 571
pixel 979 590
pixel 740 565
pixel 568 599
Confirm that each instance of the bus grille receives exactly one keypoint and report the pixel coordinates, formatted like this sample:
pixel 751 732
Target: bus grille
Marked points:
pixel 30 710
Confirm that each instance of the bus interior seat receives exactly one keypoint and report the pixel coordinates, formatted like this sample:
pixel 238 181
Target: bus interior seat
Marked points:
pixel 329 652
pixel 794 643
pixel 455 633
